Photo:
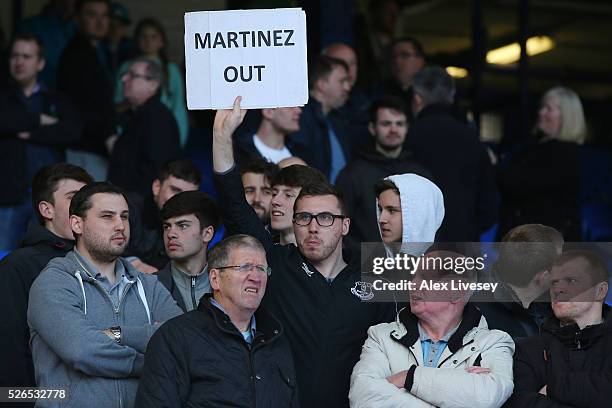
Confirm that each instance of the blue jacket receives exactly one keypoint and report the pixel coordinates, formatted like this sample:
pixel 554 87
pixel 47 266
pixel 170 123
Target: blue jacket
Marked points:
pixel 314 136
pixel 68 311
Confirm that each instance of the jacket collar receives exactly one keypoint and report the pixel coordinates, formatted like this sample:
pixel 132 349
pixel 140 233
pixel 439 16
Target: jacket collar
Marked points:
pixel 574 337
pixel 317 109
pixel 149 102
pixel 268 327
pixel 130 272
pixel 164 276
pixel 471 320
pixel 37 234
pixel 368 152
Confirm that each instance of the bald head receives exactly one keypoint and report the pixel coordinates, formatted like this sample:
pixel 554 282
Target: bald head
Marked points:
pixel 345 53
pixel 290 161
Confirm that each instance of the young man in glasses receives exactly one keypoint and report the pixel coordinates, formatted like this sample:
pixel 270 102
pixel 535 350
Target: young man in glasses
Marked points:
pixel 228 352
pixel 313 290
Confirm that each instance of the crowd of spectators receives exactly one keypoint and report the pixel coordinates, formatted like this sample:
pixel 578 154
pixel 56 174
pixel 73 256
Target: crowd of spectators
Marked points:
pixel 126 285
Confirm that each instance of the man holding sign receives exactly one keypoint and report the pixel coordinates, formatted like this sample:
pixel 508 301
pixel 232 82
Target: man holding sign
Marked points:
pixel 310 287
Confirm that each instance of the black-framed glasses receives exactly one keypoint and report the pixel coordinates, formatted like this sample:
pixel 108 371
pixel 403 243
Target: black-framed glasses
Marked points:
pixel 324 219
pixel 244 268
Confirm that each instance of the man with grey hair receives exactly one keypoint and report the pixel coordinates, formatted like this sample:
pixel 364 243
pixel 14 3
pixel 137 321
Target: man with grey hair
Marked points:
pixel 227 352
pixel 439 352
pixel 149 134
pixel 450 149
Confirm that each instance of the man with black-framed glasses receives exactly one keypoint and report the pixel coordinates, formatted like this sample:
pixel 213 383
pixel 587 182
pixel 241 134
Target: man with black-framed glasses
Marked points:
pixel 148 133
pixel 312 287
pixel 228 352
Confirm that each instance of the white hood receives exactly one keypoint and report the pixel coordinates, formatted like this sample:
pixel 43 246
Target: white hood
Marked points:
pixel 422 211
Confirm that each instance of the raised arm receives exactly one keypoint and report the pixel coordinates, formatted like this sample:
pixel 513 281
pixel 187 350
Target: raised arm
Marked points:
pixel 226 122
pixel 238 216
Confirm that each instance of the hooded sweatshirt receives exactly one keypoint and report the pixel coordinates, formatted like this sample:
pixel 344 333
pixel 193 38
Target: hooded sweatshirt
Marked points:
pixel 186 289
pixel 422 207
pixel 356 182
pixel 68 311
pixel 17 272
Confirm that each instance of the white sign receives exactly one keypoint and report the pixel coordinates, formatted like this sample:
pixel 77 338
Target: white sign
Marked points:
pixel 259 54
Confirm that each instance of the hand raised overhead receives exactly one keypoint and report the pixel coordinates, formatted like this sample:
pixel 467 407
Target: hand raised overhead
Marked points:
pixel 228 120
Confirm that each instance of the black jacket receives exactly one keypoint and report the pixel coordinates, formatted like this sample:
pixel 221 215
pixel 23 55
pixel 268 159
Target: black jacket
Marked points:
pixel 15 118
pixel 504 311
pixel 200 359
pixel 18 271
pixel 540 183
pixel 325 323
pixel 314 135
pixel 146 239
pixel 89 85
pixel 150 138
pixel 460 167
pixel 245 150
pixel 356 181
pixel 354 115
pixel 574 364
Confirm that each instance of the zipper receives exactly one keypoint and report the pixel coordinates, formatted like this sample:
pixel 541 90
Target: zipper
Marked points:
pixel 119 392
pixel 125 291
pixel 116 311
pixel 254 377
pixel 193 299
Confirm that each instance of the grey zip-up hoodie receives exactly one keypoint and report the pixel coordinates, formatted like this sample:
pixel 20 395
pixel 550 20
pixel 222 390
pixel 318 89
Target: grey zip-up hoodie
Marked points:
pixel 67 313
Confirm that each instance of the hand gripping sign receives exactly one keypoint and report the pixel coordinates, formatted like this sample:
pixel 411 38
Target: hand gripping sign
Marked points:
pixel 259 54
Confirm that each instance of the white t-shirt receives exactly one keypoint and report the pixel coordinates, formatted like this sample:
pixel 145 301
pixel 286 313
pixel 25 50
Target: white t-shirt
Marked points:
pixel 270 154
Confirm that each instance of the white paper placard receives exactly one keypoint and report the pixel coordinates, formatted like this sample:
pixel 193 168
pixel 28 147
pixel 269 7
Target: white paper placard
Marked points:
pixel 259 54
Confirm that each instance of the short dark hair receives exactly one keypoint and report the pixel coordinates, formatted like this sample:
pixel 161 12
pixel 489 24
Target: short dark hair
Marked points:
pixel 416 44
pixel 525 251
pixel 434 85
pixel 323 67
pixel 218 256
pixel 392 102
pixel 260 166
pixel 383 185
pixel 321 189
pixel 80 3
pixel 181 169
pixel 597 268
pixel 197 203
pixel 47 180
pixel 32 38
pixel 81 202
pixel 297 175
